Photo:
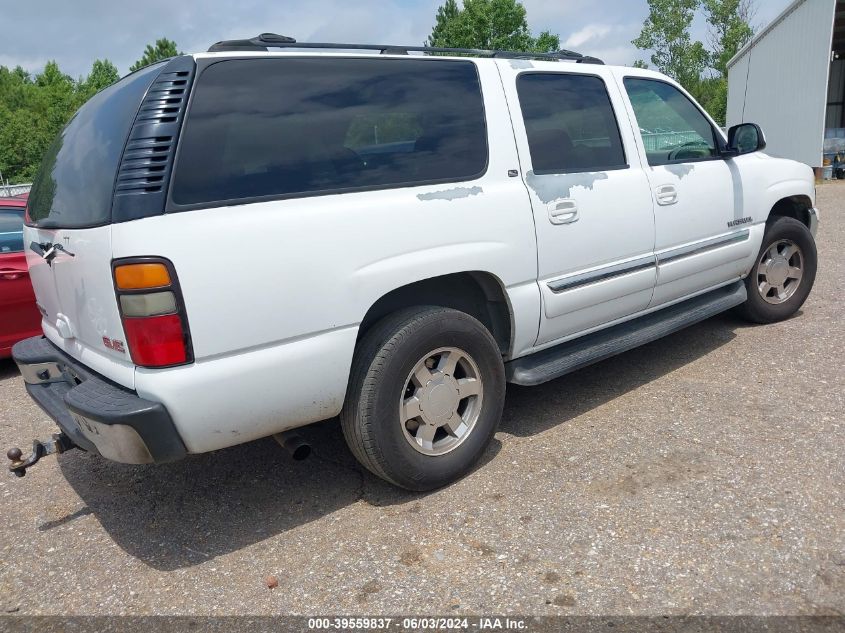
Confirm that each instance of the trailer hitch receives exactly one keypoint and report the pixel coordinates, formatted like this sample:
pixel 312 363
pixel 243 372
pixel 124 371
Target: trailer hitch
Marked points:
pixel 60 443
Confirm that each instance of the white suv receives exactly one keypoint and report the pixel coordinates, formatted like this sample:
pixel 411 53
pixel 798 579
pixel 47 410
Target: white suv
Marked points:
pixel 229 245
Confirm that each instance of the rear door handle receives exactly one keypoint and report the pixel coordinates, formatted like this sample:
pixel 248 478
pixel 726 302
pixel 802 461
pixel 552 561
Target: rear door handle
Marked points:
pixel 666 195
pixel 563 211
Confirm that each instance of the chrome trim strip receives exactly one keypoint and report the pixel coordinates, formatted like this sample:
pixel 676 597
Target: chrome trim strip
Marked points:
pixel 602 274
pixel 700 247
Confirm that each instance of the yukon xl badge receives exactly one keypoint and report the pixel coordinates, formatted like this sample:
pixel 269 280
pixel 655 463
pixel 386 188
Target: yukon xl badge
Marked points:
pixel 734 223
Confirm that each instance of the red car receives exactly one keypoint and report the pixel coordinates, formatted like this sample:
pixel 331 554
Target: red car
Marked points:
pixel 19 317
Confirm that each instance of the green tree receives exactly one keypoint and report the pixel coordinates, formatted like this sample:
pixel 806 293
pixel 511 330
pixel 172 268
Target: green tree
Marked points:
pixel 712 94
pixel 730 29
pixel 162 49
pixel 22 143
pixel 103 74
pixel 34 109
pixel 546 42
pixel 54 100
pixel 446 15
pixel 666 33
pixel 488 24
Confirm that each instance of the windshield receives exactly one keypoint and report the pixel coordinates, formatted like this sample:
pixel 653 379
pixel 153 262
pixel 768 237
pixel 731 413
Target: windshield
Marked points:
pixel 74 185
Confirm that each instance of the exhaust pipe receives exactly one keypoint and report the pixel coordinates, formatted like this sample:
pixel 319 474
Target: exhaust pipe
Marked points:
pixel 294 444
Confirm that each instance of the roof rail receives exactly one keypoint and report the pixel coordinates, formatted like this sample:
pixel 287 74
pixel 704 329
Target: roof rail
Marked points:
pixel 271 40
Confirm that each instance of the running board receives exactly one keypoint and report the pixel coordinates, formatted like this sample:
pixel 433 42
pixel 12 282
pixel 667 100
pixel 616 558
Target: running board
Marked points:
pixel 573 355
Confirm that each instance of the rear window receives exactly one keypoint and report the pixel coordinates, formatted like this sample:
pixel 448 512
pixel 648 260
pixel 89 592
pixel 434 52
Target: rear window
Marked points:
pixel 264 128
pixel 570 123
pixel 74 185
pixel 11 229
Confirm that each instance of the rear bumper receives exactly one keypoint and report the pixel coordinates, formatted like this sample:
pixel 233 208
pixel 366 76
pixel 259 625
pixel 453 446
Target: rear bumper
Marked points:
pixel 98 415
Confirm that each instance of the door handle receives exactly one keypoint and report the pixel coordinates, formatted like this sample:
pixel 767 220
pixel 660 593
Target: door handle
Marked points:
pixel 11 274
pixel 666 195
pixel 563 211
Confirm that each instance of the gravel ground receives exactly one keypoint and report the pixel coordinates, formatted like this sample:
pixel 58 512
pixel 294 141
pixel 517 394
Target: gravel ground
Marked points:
pixel 699 474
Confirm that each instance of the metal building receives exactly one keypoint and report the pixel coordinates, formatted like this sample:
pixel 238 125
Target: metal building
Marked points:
pixel 790 79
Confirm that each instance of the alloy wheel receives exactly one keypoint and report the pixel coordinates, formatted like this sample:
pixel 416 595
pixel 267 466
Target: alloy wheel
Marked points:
pixel 779 271
pixel 441 401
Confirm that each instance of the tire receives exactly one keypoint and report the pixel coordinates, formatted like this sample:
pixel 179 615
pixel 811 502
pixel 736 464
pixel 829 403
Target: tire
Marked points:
pixel 767 303
pixel 423 359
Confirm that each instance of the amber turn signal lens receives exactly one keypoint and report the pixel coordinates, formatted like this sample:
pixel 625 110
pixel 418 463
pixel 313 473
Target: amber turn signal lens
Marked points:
pixel 138 276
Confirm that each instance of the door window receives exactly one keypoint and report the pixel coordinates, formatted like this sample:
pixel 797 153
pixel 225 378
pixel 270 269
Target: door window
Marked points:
pixel 11 230
pixel 673 129
pixel 570 123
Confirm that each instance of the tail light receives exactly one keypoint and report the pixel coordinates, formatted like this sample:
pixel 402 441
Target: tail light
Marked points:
pixel 153 312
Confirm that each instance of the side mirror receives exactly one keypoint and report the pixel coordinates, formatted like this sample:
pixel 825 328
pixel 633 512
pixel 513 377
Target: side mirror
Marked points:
pixel 745 138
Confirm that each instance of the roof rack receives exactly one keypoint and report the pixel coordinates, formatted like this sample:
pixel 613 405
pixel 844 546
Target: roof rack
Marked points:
pixel 272 40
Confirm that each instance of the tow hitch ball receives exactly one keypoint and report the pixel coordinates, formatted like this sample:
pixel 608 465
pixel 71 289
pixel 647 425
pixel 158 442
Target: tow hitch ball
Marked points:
pixel 58 444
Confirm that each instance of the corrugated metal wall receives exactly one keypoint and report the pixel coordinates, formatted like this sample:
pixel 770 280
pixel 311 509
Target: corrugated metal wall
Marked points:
pixel 835 93
pixel 780 81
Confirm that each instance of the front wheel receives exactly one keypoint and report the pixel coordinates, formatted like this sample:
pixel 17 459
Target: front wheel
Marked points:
pixel 784 272
pixel 425 396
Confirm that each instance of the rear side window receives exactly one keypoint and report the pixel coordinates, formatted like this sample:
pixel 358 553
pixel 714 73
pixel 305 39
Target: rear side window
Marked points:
pixel 263 128
pixel 11 229
pixel 74 185
pixel 570 123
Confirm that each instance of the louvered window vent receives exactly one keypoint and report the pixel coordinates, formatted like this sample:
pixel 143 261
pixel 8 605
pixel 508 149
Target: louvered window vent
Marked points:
pixel 142 179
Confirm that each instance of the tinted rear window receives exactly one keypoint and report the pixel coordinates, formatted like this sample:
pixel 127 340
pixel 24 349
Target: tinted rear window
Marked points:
pixel 11 229
pixel 570 123
pixel 295 126
pixel 74 185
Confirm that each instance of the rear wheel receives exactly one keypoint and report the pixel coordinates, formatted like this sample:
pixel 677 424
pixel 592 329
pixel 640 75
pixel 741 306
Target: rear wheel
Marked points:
pixel 784 272
pixel 425 396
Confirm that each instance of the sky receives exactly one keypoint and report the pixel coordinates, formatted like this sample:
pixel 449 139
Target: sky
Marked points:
pixel 76 32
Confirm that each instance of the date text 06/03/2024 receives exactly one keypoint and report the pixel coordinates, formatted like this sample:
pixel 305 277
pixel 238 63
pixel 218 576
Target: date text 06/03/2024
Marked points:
pixel 418 624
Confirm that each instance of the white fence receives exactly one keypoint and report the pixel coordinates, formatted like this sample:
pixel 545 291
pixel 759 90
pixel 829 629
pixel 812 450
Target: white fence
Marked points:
pixel 656 141
pixel 7 191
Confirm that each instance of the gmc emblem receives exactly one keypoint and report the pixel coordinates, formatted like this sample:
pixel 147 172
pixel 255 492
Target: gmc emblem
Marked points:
pixel 114 344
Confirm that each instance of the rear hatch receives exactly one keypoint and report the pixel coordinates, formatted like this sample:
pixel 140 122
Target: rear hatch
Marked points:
pixel 68 233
